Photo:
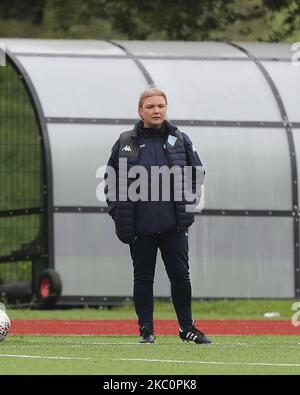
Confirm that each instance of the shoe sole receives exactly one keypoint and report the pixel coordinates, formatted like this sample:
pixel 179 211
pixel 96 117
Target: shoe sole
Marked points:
pixel 186 340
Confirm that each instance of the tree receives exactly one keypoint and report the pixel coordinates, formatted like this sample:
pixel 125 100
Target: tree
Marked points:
pixel 29 10
pixel 263 20
pixel 286 21
pixel 171 19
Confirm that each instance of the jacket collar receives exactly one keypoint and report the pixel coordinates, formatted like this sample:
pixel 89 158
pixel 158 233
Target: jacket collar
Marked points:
pixel 171 129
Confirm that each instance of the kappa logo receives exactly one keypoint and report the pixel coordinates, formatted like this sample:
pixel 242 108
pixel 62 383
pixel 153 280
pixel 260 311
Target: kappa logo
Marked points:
pixel 126 148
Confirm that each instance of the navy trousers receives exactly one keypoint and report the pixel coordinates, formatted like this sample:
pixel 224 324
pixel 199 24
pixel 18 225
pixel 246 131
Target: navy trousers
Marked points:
pixel 174 251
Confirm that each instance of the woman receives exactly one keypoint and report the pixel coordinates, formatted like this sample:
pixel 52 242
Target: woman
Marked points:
pixel 147 220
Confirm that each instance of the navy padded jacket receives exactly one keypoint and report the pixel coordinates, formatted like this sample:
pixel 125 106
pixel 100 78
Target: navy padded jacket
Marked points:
pixel 149 147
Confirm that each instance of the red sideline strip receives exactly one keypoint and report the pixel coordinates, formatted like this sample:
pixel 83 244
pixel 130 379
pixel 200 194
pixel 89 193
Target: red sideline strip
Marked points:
pixel 162 327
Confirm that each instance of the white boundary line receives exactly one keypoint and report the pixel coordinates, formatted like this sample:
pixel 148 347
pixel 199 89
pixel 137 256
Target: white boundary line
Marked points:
pixel 38 357
pixel 70 345
pixel 208 362
pixel 78 344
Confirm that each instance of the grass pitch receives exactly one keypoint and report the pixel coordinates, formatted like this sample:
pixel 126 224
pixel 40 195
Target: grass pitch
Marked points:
pixel 122 355
pixel 202 309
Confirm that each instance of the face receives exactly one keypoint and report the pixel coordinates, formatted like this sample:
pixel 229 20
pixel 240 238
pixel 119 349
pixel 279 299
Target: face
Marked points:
pixel 153 111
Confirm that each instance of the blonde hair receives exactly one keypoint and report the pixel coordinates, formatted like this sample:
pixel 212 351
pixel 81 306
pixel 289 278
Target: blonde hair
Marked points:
pixel 149 92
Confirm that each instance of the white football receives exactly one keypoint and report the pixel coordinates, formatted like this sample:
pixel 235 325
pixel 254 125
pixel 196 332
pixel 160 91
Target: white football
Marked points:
pixel 5 325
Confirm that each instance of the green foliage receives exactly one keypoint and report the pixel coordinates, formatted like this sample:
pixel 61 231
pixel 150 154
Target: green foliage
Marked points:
pixel 21 167
pixel 31 10
pixel 21 175
pixel 276 5
pixel 172 20
pixel 284 22
pixel 246 20
pixel 16 271
pixel 16 232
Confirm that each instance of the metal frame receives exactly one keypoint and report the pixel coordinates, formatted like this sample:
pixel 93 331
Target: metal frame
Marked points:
pixel 136 60
pixel 43 121
pixel 42 126
pixel 21 211
pixel 21 257
pixel 91 300
pixel 179 122
pixel 288 127
pixel 215 212
pixel 129 55
pixel 70 55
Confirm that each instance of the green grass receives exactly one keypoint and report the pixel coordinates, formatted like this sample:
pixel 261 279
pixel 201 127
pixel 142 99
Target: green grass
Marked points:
pixel 206 309
pixel 121 355
pixel 21 175
pixel 110 355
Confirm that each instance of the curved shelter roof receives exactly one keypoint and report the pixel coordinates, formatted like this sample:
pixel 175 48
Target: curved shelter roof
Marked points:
pixel 71 82
pixel 238 102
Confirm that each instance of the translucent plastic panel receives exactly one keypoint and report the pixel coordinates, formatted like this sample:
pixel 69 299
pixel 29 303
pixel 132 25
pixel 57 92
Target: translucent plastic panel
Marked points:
pixel 214 90
pixel 92 261
pixel 246 168
pixel 79 47
pixel 181 48
pixel 296 137
pixel 286 77
pixel 85 87
pixel 268 50
pixel 89 257
pixel 242 257
pixel 77 152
